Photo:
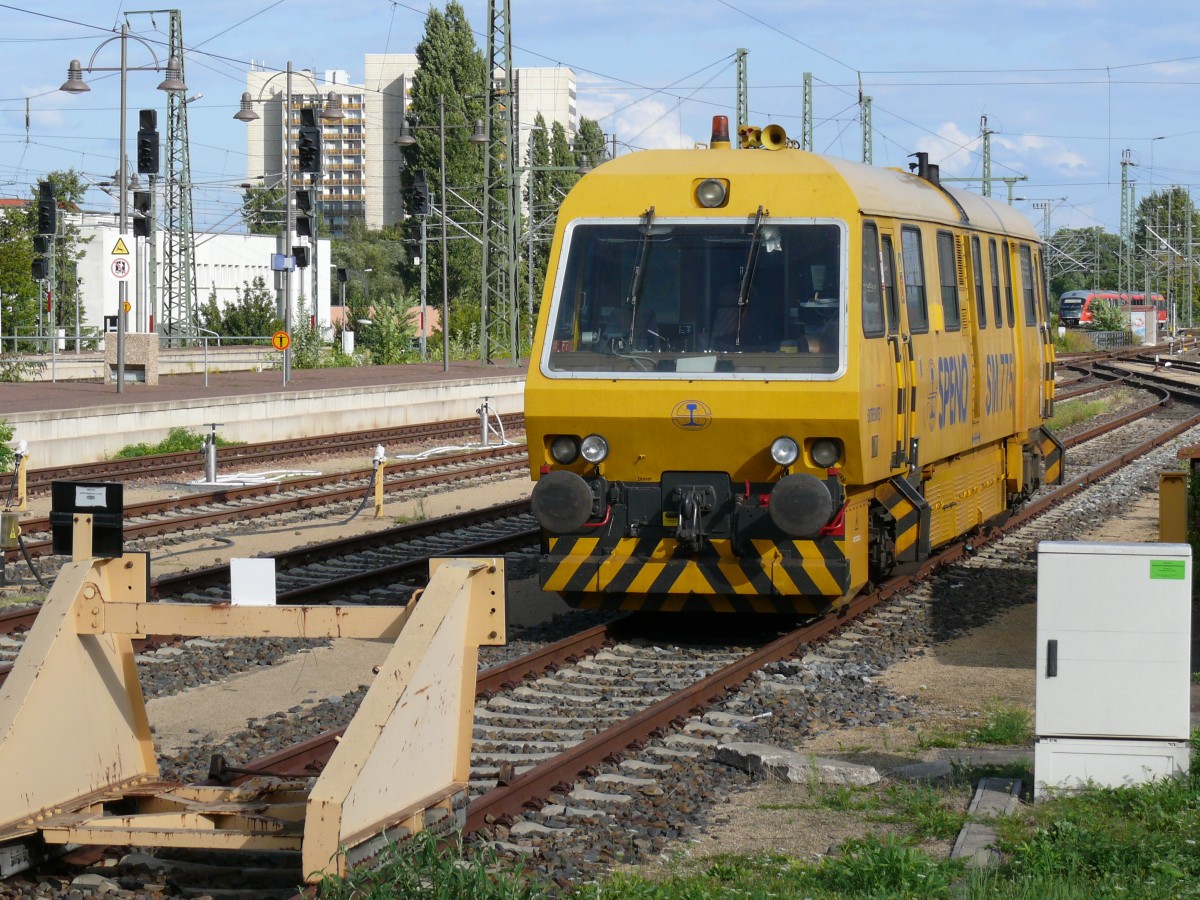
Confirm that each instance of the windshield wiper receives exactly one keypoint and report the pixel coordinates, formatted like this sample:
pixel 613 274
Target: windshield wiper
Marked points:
pixel 639 269
pixel 748 273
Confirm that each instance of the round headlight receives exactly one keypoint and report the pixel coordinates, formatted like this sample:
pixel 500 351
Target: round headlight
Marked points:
pixel 710 193
pixel 826 452
pixel 784 451
pixel 564 449
pixel 594 448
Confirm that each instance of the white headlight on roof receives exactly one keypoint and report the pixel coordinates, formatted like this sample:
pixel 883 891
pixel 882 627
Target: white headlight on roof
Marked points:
pixel 711 193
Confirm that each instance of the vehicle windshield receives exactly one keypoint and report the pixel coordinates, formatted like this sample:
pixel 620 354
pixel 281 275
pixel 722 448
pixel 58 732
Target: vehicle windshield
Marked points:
pixel 761 296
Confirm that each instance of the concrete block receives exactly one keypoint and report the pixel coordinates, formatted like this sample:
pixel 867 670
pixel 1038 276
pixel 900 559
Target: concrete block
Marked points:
pixel 141 356
pixel 768 762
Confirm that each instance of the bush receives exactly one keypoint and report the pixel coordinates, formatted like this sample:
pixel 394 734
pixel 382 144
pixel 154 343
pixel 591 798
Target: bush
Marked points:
pixel 1108 316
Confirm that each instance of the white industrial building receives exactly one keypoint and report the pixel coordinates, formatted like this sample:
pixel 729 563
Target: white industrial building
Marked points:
pixel 360 172
pixel 224 264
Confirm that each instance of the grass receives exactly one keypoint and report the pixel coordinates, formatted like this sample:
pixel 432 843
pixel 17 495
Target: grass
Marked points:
pixel 177 439
pixel 1074 412
pixel 924 809
pixel 432 868
pixel 1073 342
pixel 1139 842
pixel 1004 724
pixel 939 739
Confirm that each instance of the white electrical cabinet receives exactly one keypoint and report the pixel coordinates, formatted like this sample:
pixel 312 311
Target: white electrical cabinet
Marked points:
pixel 1113 663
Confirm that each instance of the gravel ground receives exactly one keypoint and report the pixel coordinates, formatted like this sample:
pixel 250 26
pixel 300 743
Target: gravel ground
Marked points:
pixel 961 642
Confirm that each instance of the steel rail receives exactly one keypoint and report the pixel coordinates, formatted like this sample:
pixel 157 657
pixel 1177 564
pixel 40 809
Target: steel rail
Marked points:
pixel 162 464
pixel 200 579
pixel 1113 424
pixel 309 757
pixel 507 461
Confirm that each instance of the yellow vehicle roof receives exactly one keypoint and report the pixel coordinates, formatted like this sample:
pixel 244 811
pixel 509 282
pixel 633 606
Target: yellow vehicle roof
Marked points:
pixel 802 184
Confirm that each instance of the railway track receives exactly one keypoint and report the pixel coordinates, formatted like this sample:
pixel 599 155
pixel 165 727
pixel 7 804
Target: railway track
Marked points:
pixel 595 744
pixel 573 723
pixel 203 510
pixel 172 465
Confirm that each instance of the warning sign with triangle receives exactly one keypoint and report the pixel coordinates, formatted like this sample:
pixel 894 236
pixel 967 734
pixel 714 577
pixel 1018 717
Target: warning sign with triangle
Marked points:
pixel 120 249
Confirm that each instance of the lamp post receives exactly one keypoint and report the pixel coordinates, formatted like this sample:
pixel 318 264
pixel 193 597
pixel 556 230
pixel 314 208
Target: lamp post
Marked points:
pixel 407 139
pixel 331 111
pixel 76 85
pixel 1150 193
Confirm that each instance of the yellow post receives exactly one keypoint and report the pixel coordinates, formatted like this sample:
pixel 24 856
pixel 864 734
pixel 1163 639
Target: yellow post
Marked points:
pixel 22 465
pixel 1172 507
pixel 380 461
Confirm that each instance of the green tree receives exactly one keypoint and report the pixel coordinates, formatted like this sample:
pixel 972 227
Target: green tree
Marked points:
pixel 1082 259
pixel 453 69
pixel 564 160
pixel 6 452
pixel 1166 222
pixel 69 192
pixel 590 142
pixel 252 314
pixel 390 335
pixel 262 209
pixel 306 338
pixel 22 299
pixel 1108 316
pixel 541 207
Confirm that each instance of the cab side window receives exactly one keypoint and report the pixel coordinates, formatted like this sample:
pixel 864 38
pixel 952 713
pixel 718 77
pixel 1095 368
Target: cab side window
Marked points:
pixel 997 303
pixel 1008 284
pixel 914 280
pixel 948 272
pixel 1028 286
pixel 888 260
pixel 980 297
pixel 872 283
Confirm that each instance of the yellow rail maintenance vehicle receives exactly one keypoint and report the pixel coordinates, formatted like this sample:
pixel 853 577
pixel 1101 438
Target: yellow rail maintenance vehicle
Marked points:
pixel 760 380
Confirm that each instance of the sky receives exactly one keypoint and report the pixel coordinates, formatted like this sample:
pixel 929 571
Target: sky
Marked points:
pixel 1068 88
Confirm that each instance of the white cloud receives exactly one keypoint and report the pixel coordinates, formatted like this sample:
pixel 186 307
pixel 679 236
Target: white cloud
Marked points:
pixel 1043 152
pixel 646 123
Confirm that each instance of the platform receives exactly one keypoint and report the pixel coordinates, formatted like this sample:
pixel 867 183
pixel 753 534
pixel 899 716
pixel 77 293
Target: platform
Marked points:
pixel 84 421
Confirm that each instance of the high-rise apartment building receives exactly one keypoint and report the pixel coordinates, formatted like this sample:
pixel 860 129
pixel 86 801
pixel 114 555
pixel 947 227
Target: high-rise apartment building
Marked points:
pixel 360 170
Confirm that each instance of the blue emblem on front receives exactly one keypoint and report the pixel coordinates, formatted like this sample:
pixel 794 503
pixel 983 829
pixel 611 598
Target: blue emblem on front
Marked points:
pixel 691 415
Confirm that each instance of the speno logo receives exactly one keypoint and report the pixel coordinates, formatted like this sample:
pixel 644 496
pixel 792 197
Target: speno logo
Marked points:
pixel 691 415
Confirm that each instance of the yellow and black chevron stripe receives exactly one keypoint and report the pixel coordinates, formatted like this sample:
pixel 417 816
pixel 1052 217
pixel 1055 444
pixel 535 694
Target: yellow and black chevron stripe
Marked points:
pixel 1052 457
pixel 911 513
pixel 649 573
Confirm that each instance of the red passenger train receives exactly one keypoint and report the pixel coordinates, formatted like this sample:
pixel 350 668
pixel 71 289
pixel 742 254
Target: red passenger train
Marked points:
pixel 1075 307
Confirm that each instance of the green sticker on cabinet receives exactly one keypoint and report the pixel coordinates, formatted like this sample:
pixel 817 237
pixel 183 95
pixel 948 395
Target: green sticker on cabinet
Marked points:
pixel 1167 569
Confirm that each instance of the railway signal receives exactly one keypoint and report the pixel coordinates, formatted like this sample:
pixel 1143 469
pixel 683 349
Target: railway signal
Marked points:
pixel 141 218
pixel 303 208
pixel 309 150
pixel 421 205
pixel 147 142
pixel 47 209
